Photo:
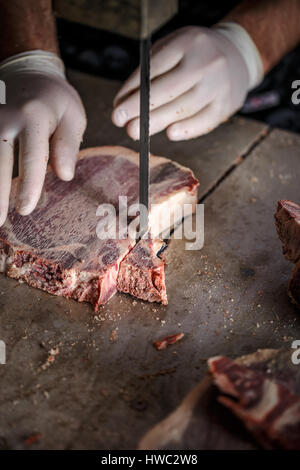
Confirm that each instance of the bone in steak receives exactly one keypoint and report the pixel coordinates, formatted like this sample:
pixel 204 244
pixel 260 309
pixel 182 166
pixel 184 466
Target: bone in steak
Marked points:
pixel 287 220
pixel 199 422
pixel 56 248
pixel 264 394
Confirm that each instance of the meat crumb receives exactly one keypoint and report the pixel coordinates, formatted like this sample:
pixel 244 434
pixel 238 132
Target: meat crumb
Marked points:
pixel 32 439
pixel 170 339
pixel 51 358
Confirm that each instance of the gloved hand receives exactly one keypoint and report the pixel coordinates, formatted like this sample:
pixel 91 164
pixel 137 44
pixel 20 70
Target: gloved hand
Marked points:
pixel 199 77
pixel 40 105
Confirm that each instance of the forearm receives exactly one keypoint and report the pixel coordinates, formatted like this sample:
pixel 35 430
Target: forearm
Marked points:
pixel 272 24
pixel 26 25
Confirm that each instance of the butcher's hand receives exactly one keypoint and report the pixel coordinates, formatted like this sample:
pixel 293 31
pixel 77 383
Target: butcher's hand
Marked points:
pixel 199 77
pixel 45 115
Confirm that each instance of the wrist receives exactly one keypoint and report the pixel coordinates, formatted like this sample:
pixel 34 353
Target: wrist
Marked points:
pixel 35 61
pixel 238 36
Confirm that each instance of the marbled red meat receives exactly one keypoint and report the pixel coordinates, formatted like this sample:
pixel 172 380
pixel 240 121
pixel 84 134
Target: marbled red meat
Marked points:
pixel 142 273
pixel 287 221
pixel 264 395
pixel 56 248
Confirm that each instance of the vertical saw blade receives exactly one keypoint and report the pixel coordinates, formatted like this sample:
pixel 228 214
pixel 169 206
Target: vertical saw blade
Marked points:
pixel 144 130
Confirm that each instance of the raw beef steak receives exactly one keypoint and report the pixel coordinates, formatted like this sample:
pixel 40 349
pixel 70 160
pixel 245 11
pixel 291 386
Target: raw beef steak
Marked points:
pixel 142 273
pixel 263 390
pixel 287 220
pixel 56 248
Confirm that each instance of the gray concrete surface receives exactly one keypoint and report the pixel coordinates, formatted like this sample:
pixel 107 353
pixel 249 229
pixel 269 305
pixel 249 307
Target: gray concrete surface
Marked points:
pixel 107 384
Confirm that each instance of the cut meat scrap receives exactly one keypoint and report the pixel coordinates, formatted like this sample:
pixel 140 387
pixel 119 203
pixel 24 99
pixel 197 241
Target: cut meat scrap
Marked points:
pixel 287 220
pixel 251 387
pixel 260 395
pixel 142 272
pixel 163 343
pixel 57 247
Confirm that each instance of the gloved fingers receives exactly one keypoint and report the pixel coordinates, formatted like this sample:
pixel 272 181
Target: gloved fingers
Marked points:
pixel 199 124
pixel 183 107
pixel 163 58
pixel 33 159
pixel 65 143
pixel 11 123
pixel 6 169
pixel 164 89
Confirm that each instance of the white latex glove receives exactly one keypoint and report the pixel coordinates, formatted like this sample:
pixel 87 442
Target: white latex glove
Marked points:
pixel 199 77
pixel 40 105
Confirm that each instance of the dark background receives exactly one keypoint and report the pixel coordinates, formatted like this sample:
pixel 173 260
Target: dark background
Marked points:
pixel 112 56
